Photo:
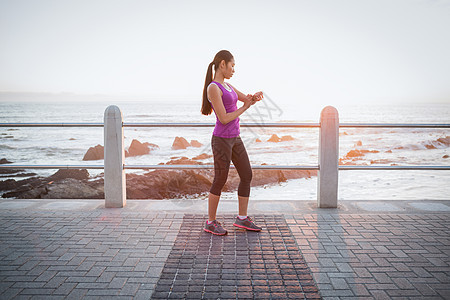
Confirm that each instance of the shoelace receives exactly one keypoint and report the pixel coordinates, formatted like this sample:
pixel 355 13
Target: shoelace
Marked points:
pixel 251 221
pixel 216 224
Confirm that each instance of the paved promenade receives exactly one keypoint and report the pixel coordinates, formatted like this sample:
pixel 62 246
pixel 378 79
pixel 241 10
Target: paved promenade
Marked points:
pixel 77 249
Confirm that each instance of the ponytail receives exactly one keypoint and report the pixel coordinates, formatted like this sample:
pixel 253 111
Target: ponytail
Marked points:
pixel 221 55
pixel 206 105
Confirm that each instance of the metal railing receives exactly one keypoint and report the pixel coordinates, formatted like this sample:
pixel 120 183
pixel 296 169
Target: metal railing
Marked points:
pixel 328 166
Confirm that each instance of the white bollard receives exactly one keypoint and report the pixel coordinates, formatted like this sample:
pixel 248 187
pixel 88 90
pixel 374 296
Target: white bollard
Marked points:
pixel 115 183
pixel 327 185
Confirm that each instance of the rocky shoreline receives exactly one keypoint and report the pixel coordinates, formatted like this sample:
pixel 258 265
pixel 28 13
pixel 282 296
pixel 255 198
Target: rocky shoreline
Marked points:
pixel 157 184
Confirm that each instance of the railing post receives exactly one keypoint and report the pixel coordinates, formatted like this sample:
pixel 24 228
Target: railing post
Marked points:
pixel 115 184
pixel 327 184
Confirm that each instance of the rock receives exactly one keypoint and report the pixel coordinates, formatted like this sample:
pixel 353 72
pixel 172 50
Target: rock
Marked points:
pixel 202 156
pixel 94 153
pixel 445 141
pixel 354 153
pixel 359 153
pixel 161 184
pixel 445 156
pixel 189 182
pixel 287 138
pixel 388 151
pixel 137 148
pixel 195 143
pixel 71 188
pixel 183 161
pixel 11 184
pixel 67 188
pixel 72 139
pixel 27 188
pixel 381 161
pixel 61 174
pixel 274 139
pixel 180 143
pixel 358 143
pixel 258 141
pixel 8 184
pixel 26 191
pixel 8 171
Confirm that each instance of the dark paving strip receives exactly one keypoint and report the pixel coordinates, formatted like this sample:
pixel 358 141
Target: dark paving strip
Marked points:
pixel 240 265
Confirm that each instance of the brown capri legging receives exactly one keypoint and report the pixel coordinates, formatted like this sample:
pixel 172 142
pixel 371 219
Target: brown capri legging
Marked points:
pixel 224 151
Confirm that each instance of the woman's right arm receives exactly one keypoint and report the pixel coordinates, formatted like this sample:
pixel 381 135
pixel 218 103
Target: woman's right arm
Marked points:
pixel 216 100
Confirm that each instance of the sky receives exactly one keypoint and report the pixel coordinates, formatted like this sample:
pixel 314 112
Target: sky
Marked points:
pixel 304 52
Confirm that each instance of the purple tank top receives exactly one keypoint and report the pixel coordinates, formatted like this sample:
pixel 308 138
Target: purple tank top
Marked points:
pixel 229 99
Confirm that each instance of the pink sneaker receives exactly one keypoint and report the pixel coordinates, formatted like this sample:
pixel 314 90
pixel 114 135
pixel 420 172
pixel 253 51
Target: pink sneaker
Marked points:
pixel 215 228
pixel 247 223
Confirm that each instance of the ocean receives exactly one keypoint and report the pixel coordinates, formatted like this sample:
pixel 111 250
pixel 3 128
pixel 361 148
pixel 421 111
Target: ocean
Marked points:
pixel 400 146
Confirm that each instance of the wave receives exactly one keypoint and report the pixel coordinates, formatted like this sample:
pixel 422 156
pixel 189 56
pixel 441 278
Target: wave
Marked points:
pixel 141 116
pixel 149 116
pixel 440 143
pixel 358 154
pixel 41 148
pixel 7 147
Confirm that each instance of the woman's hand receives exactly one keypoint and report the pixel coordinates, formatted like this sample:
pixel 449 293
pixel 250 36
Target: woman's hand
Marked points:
pixel 252 99
pixel 258 96
pixel 248 101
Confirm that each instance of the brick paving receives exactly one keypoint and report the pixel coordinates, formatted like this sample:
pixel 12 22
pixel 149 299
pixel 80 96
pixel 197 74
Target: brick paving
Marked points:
pixel 52 249
pixel 89 255
pixel 376 256
pixel 241 265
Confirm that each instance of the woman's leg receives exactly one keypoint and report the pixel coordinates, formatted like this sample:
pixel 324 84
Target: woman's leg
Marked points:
pixel 243 205
pixel 222 148
pixel 242 163
pixel 213 202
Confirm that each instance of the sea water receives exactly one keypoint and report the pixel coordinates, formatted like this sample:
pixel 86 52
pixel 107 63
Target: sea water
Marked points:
pixel 393 146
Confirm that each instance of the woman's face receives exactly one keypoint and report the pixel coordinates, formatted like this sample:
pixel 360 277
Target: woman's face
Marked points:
pixel 228 69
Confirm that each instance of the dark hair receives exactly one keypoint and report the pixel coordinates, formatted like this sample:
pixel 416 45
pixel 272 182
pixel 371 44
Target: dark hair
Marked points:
pixel 221 55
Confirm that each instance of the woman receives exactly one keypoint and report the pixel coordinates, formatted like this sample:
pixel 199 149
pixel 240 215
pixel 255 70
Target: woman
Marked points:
pixel 226 143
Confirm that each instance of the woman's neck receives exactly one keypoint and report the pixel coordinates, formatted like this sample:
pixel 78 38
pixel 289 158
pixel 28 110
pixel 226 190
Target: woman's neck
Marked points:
pixel 219 78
